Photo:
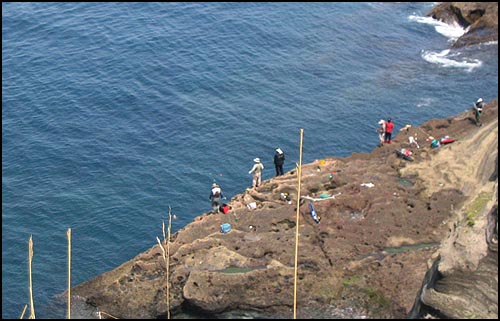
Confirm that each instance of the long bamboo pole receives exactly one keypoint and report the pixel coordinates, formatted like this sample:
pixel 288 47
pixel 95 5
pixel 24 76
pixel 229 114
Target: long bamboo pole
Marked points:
pixel 68 234
pixel 299 176
pixel 168 260
pixel 30 258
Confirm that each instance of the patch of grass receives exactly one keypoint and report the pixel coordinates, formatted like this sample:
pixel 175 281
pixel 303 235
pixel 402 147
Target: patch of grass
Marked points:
pixel 350 281
pixel 327 292
pixel 470 219
pixel 377 297
pixel 476 207
pixel 368 297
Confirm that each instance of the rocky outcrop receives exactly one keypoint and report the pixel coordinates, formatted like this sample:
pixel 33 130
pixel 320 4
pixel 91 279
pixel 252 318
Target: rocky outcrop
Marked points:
pixel 462 282
pixel 480 19
pixel 384 222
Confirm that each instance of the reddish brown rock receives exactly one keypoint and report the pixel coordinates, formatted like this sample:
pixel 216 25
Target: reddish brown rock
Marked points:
pixel 368 255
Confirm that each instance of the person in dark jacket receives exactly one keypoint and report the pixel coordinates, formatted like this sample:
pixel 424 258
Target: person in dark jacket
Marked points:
pixel 215 196
pixel 478 109
pixel 279 160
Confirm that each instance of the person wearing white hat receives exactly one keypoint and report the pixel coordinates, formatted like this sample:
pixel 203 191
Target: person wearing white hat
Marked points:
pixel 215 196
pixel 256 170
pixel 279 160
pixel 381 132
pixel 478 109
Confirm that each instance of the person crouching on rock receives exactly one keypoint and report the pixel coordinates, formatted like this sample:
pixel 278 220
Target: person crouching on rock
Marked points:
pixel 215 196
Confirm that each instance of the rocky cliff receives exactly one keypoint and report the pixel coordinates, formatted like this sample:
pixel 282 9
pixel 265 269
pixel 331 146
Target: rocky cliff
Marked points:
pixel 397 238
pixel 384 222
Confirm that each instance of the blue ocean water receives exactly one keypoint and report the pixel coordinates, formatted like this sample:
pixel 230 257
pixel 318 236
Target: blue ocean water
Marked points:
pixel 112 112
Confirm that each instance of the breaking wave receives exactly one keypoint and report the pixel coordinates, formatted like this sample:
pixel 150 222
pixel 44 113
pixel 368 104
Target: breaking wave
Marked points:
pixel 447 58
pixel 450 31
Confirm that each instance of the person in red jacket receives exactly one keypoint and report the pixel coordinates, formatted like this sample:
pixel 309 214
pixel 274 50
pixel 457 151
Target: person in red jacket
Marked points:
pixel 389 126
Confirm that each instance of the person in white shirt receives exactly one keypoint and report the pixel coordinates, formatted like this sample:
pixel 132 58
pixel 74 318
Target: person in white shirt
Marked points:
pixel 256 170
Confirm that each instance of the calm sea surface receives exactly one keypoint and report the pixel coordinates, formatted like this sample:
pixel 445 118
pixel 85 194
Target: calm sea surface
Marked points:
pixel 112 112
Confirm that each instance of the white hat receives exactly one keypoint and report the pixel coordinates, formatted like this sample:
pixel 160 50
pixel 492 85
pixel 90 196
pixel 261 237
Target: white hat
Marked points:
pixel 214 185
pixel 257 160
pixel 279 150
pixel 480 100
pixel 380 122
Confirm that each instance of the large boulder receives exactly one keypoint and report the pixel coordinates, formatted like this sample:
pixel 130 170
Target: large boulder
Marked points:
pixel 480 19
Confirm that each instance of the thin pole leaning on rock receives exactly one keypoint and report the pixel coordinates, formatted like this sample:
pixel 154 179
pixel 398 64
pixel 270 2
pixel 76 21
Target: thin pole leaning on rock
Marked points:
pixel 168 260
pixel 30 258
pixel 68 234
pixel 24 311
pixel 299 174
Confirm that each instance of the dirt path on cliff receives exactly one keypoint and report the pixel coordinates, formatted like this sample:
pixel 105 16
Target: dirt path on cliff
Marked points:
pixel 455 166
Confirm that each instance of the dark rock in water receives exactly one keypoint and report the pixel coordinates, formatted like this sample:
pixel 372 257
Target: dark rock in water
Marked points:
pixel 480 19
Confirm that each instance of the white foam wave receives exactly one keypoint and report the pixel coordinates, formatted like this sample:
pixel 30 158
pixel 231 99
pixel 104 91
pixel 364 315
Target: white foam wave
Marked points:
pixel 490 43
pixel 425 102
pixel 445 59
pixel 450 31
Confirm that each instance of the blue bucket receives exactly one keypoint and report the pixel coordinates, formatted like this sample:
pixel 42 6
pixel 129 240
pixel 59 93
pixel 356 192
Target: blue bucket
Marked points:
pixel 226 227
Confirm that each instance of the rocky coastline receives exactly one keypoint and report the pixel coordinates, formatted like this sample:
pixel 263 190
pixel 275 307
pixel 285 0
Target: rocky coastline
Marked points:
pixel 397 238
pixel 479 18
pixel 370 252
